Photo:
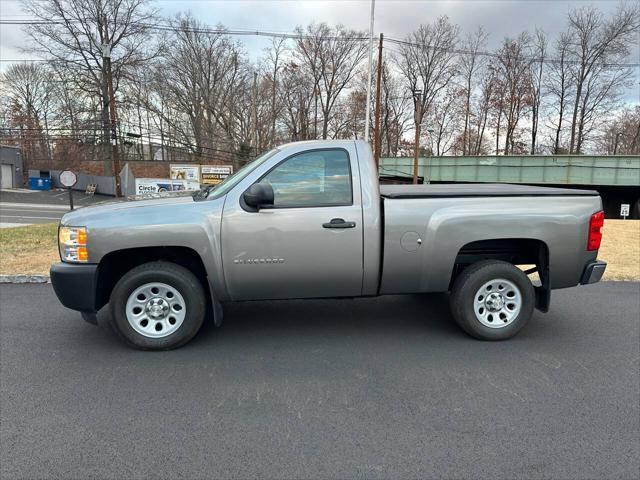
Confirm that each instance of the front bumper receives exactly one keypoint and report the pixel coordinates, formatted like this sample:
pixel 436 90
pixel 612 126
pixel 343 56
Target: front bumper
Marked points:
pixel 593 272
pixel 75 285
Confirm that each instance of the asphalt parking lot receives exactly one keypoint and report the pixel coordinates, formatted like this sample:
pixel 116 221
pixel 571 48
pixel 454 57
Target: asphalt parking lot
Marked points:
pixel 17 214
pixel 25 207
pixel 368 388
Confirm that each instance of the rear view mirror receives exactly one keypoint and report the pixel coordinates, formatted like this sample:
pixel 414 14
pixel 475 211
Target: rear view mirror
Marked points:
pixel 258 195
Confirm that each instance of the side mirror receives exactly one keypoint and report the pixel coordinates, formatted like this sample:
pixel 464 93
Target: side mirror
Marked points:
pixel 258 195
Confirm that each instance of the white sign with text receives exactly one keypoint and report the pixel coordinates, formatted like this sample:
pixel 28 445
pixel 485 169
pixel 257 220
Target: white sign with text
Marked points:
pixel 624 210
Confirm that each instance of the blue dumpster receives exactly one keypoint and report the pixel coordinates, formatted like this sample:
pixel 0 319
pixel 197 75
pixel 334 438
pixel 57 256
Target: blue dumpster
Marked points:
pixel 36 183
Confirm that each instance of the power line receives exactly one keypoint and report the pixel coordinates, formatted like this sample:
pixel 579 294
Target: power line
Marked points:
pixel 460 51
pixel 83 133
pixel 299 36
pixel 203 30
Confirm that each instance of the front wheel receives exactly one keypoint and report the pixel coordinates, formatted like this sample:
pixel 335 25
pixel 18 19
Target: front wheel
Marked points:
pixel 492 300
pixel 158 306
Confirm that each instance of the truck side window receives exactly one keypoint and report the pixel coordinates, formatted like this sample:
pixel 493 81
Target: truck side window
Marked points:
pixel 312 179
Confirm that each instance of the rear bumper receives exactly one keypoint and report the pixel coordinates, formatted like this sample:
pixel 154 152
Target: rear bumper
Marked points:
pixel 75 285
pixel 593 272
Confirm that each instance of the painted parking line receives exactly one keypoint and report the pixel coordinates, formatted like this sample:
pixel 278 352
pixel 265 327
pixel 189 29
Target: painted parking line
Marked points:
pixel 17 190
pixel 29 216
pixel 39 206
pixel 20 210
pixel 81 199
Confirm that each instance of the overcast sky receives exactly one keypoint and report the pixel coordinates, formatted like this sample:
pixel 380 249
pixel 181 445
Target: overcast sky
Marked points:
pixel 394 18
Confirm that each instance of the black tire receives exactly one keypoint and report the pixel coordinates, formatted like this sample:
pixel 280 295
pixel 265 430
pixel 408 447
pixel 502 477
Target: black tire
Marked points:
pixel 471 280
pixel 173 275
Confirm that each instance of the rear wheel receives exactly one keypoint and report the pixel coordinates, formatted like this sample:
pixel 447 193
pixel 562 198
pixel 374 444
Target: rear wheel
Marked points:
pixel 158 306
pixel 492 300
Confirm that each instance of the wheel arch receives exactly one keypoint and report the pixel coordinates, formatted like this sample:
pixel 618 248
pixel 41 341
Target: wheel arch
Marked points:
pixel 115 264
pixel 517 251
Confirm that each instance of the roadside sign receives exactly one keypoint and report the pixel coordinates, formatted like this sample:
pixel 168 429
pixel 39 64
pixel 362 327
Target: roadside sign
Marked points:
pixel 68 179
pixel 185 172
pixel 624 210
pixel 145 186
pixel 215 174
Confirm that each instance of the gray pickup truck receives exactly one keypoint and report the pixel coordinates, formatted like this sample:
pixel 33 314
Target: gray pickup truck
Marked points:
pixel 309 220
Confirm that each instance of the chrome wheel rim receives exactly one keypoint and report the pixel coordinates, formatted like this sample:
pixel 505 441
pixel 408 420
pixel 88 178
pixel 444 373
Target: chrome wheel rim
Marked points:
pixel 497 303
pixel 155 310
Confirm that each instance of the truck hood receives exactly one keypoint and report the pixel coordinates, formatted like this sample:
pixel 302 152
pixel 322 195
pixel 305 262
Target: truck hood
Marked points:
pixel 106 210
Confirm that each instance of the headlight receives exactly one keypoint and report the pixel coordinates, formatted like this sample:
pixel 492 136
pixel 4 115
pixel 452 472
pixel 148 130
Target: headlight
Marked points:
pixel 72 242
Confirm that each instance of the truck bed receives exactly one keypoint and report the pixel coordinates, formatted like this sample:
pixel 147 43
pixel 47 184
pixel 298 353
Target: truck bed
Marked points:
pixel 478 190
pixel 427 226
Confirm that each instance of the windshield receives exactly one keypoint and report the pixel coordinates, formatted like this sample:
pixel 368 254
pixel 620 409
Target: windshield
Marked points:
pixel 214 191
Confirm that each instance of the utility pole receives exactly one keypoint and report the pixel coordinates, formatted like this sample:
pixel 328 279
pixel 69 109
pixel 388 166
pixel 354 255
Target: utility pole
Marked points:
pixel 106 130
pixel 377 139
pixel 113 133
pixel 417 95
pixel 255 112
pixel 366 115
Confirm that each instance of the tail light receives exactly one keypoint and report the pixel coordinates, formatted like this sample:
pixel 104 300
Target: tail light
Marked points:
pixel 595 233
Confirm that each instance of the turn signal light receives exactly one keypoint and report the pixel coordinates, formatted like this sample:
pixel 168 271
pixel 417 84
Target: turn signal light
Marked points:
pixel 83 254
pixel 595 233
pixel 72 242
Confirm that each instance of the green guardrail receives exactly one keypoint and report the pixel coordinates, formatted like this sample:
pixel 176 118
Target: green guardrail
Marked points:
pixel 620 170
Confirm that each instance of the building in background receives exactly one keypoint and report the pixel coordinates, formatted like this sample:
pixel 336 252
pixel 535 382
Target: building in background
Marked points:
pixel 11 168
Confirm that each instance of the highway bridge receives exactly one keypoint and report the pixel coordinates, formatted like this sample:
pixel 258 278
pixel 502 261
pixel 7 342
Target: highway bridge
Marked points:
pixel 617 178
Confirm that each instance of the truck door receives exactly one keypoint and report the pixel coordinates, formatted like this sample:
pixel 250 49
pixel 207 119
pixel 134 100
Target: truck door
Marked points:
pixel 309 244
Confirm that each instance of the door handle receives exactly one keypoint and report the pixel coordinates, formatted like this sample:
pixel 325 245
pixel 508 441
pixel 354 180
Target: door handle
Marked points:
pixel 338 223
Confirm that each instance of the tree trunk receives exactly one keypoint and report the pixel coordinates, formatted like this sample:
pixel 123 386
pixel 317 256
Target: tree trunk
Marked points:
pixel 534 130
pixel 575 116
pixel 498 131
pixel 325 124
pixel 466 141
pixel 556 146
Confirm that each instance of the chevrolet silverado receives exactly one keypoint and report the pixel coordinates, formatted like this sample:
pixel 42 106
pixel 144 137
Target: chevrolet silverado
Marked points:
pixel 310 220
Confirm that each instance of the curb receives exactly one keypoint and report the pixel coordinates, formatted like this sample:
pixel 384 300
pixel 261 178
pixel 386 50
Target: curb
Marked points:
pixel 25 279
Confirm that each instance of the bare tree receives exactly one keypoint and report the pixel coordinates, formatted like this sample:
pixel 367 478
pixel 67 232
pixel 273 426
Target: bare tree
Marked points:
pixel 559 86
pixel 482 110
pixel 202 80
pixel 514 82
pixel 193 92
pixel 28 87
pixel 75 34
pixel 396 109
pixel 332 57
pixel 296 98
pixel 28 90
pixel 274 56
pixel 471 61
pixel 444 122
pixel 598 46
pixel 622 133
pixel 537 68
pixel 348 119
pixel 427 60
